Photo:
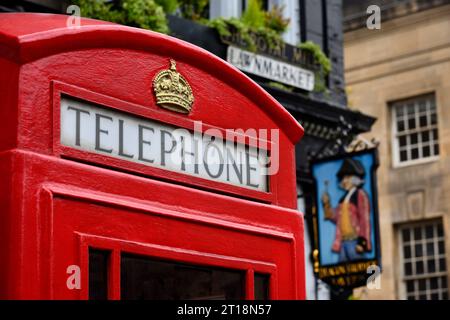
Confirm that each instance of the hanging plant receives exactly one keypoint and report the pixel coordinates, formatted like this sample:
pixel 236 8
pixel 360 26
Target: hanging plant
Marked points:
pixel 280 86
pixel 254 15
pixel 226 27
pixel 169 6
pixel 320 59
pixel 274 19
pixel 254 22
pixel 319 56
pixel 193 9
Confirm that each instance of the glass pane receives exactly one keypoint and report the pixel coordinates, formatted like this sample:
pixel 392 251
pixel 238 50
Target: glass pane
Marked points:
pixel 429 231
pixel 411 124
pixel 432 104
pixel 433 118
pixel 419 267
pixel 430 249
pixel 422 106
pixel 442 264
pixel 411 297
pixel 261 286
pixel 418 250
pixel 423 121
pixel 440 231
pixel 407 252
pixel 415 154
pixel 98 274
pixel 434 296
pixel 435 135
pixel 444 282
pixel 431 266
pixel 433 283
pixel 143 278
pixel 410 286
pixel 417 233
pixel 400 126
pixel 410 109
pixel 414 138
pixel 402 141
pixel 441 247
pixel 422 285
pixel 403 155
pixel 405 234
pixel 408 269
pixel 399 111
pixel 436 149
pixel 422 297
pixel 426 151
pixel 425 136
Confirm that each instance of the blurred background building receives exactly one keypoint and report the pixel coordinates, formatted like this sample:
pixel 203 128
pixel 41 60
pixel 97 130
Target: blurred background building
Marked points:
pixel 400 74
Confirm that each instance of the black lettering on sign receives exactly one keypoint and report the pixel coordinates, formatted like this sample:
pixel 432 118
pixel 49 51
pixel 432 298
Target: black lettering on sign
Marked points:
pixel 99 131
pixel 77 122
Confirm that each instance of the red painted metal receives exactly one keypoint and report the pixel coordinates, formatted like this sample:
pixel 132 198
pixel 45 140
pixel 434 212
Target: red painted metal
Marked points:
pixel 56 202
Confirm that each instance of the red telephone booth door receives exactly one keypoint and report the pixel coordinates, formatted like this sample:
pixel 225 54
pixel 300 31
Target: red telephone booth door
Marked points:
pixel 94 205
pixel 142 251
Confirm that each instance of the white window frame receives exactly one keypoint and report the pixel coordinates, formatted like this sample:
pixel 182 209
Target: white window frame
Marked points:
pixel 395 148
pixel 291 11
pixel 235 8
pixel 225 8
pixel 401 280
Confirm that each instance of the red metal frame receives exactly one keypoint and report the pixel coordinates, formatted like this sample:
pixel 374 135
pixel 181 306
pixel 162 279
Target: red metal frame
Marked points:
pixel 50 192
pixel 116 247
pixel 56 201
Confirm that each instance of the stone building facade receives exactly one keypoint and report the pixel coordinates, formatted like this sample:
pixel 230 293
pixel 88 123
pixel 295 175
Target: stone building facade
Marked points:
pixel 400 74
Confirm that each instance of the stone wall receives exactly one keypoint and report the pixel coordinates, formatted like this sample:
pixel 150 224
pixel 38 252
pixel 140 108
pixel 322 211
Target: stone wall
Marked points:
pixel 409 56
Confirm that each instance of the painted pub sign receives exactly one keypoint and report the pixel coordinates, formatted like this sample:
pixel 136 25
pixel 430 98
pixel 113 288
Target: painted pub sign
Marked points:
pixel 346 232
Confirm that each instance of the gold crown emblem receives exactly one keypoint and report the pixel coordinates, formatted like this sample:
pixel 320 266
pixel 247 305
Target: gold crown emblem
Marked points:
pixel 172 90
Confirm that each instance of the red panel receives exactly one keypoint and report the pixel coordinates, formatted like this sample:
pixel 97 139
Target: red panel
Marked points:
pixel 56 209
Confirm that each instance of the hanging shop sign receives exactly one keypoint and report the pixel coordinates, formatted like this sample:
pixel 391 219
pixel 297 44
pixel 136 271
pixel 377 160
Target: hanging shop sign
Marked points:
pixel 269 68
pixel 346 231
pixel 279 61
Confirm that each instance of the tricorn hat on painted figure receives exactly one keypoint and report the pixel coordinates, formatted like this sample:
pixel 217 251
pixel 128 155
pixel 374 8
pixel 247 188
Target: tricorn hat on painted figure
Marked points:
pixel 351 167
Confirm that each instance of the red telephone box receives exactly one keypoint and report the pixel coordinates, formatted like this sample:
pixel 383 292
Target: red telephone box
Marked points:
pixel 97 198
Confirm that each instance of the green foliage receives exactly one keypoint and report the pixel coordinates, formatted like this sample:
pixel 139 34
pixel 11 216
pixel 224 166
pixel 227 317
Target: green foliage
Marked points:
pixel 98 9
pixel 270 25
pixel 225 27
pixel 254 15
pixel 280 86
pixel 254 22
pixel 275 21
pixel 145 14
pixel 319 82
pixel 272 37
pixel 322 60
pixel 193 9
pixel 169 6
pixel 319 56
pixel 221 25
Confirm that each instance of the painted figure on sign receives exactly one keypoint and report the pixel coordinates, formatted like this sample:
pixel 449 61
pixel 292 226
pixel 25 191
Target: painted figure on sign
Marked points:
pixel 352 214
